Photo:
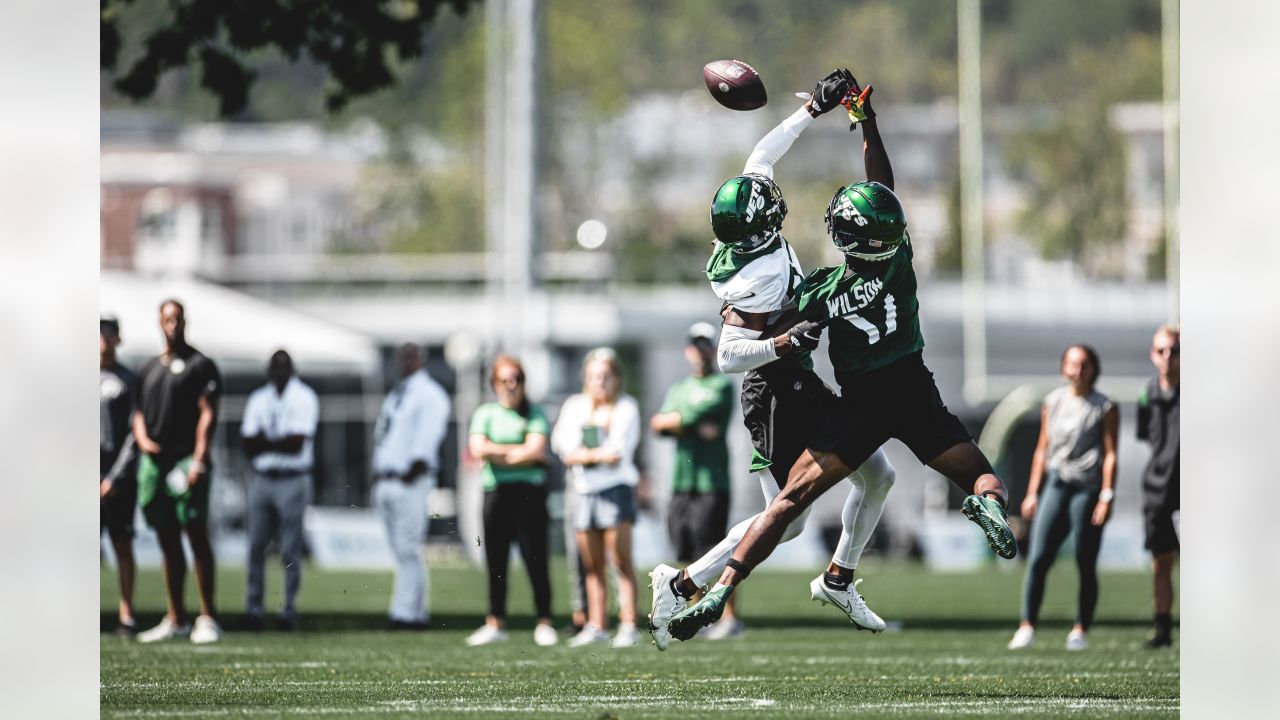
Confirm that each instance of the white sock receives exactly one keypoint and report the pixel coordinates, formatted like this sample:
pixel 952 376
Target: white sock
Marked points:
pixel 863 508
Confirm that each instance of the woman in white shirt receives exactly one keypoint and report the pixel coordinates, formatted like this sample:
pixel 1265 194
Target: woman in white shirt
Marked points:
pixel 596 436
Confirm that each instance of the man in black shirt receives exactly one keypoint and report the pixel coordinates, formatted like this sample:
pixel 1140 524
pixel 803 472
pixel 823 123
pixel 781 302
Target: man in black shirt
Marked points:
pixel 117 462
pixel 177 414
pixel 1158 425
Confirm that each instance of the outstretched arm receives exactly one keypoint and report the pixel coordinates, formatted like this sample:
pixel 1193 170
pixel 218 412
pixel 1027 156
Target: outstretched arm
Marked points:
pixel 826 96
pixel 773 146
pixel 874 157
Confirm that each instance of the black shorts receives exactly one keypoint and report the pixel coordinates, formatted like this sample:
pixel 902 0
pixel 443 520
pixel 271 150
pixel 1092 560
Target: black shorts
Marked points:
pixel 116 510
pixel 899 400
pixel 784 409
pixel 696 522
pixel 1157 519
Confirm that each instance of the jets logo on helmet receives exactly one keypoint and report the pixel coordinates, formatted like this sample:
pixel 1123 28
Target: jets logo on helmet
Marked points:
pixel 866 221
pixel 747 212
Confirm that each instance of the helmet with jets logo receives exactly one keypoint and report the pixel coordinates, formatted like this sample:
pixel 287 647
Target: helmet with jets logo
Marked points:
pixel 747 212
pixel 866 221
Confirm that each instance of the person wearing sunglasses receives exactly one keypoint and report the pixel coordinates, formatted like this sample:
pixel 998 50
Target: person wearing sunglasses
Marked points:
pixel 1158 426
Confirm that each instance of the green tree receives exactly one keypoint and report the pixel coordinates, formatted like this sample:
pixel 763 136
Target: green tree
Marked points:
pixel 1075 165
pixel 357 45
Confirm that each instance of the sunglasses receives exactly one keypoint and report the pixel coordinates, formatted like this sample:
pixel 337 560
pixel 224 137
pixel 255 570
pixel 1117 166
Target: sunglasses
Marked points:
pixel 1172 350
pixel 505 379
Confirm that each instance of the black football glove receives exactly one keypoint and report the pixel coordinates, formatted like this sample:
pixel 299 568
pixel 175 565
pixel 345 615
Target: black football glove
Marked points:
pixel 829 92
pixel 805 334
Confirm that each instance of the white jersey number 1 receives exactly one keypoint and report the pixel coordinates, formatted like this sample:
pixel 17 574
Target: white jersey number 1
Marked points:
pixel 873 332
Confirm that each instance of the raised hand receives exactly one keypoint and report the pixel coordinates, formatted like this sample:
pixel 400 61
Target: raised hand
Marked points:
pixel 829 92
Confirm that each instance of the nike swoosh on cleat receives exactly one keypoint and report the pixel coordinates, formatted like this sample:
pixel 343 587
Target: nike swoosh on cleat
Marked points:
pixel 847 608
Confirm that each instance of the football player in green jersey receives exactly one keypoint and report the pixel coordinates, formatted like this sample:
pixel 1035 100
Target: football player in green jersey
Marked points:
pixel 757 276
pixel 869 308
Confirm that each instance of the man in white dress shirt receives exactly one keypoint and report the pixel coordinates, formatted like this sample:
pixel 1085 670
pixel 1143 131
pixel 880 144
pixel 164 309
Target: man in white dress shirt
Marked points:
pixel 406 463
pixel 277 433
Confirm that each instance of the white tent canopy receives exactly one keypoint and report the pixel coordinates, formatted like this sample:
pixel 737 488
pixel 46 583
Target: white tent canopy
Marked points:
pixel 235 329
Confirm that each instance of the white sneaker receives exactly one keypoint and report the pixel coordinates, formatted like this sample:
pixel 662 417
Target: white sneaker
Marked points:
pixel 665 604
pixel 486 635
pixel 205 631
pixel 725 628
pixel 1023 638
pixel 1077 640
pixel 589 635
pixel 849 601
pixel 545 635
pixel 166 630
pixel 627 636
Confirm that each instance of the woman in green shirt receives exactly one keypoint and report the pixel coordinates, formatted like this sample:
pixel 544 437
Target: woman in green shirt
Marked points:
pixel 510 436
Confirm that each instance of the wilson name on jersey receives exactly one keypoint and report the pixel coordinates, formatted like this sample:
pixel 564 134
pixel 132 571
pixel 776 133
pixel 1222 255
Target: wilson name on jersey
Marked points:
pixel 765 282
pixel 874 311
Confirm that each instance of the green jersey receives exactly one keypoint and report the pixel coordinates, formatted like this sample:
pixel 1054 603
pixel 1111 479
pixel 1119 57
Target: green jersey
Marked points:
pixel 875 311
pixel 701 465
pixel 505 426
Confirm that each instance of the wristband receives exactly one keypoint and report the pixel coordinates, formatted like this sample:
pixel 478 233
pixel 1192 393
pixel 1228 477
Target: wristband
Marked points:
pixel 1106 495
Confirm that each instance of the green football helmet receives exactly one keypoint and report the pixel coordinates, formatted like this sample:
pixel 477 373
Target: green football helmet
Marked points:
pixel 747 212
pixel 866 221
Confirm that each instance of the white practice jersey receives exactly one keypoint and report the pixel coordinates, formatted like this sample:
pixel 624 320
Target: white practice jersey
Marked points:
pixel 768 284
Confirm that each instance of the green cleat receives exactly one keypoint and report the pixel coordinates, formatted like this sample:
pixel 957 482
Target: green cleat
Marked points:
pixel 990 516
pixel 686 624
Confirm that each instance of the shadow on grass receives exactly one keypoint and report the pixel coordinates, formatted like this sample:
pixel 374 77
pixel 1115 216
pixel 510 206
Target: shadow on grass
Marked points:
pixel 365 621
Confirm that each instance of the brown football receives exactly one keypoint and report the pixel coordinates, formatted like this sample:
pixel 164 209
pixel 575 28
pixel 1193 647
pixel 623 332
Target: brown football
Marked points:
pixel 735 84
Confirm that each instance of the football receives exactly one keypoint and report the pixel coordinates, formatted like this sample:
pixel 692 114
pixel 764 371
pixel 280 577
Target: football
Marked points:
pixel 735 84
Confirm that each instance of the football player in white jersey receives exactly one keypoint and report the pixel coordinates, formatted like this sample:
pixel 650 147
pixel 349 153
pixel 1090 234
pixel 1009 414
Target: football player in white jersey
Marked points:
pixel 756 274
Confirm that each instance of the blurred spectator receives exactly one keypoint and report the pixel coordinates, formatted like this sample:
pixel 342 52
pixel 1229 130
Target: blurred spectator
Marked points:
pixel 577 586
pixel 117 463
pixel 696 413
pixel 596 436
pixel 1158 425
pixel 178 411
pixel 277 432
pixel 1077 451
pixel 510 436
pixel 406 463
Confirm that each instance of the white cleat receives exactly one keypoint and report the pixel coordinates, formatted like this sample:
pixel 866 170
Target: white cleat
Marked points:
pixel 627 636
pixel 589 635
pixel 205 631
pixel 1023 638
pixel 487 635
pixel 1076 640
pixel 665 604
pixel 849 601
pixel 545 636
pixel 166 630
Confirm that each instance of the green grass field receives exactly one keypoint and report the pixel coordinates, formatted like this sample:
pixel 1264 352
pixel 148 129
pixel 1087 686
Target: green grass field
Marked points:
pixel 798 660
